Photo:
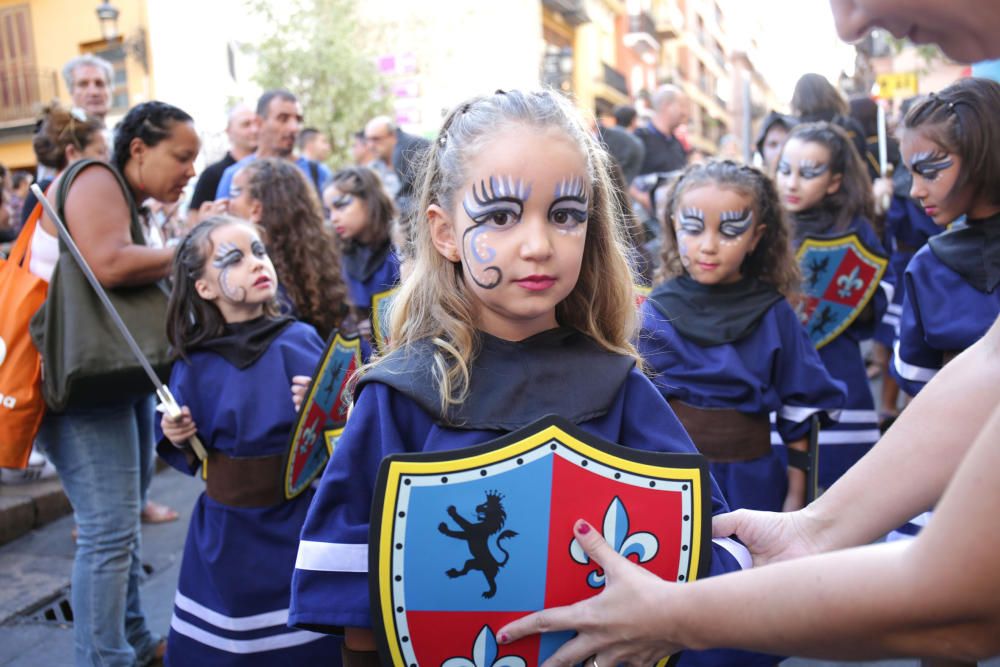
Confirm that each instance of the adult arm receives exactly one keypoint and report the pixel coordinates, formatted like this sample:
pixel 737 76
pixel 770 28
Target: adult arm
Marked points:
pixel 934 596
pixel 97 216
pixel 903 475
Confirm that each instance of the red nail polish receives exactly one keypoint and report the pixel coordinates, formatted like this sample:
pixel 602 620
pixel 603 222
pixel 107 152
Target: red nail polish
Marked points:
pixel 503 638
pixel 583 528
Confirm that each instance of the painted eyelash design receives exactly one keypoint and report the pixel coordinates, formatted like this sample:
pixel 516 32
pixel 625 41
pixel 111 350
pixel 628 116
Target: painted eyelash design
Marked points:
pixel 571 188
pixel 930 163
pixel 227 254
pixel 812 169
pixel 479 203
pixel 734 223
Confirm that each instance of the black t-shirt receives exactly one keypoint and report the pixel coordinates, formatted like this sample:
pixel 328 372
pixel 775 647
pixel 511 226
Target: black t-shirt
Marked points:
pixel 663 153
pixel 208 182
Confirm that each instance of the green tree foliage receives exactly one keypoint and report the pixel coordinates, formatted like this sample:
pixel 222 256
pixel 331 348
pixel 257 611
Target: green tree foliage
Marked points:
pixel 316 49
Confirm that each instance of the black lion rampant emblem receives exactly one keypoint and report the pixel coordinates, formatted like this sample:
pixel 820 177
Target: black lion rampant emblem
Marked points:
pixel 491 517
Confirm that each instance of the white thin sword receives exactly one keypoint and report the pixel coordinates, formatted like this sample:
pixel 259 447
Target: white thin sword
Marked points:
pixel 883 153
pixel 167 401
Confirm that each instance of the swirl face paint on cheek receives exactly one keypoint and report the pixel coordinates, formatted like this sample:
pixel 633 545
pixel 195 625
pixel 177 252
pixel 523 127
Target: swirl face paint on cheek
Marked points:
pixel 226 257
pixel 494 206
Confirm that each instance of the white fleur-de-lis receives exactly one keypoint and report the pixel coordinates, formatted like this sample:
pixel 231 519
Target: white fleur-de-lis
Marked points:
pixel 849 283
pixel 484 654
pixel 642 545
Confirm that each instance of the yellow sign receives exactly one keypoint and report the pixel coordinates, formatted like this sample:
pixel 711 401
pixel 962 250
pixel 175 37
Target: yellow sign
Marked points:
pixel 897 84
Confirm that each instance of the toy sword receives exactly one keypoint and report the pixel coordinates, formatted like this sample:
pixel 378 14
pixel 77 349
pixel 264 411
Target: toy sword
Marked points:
pixel 883 154
pixel 168 403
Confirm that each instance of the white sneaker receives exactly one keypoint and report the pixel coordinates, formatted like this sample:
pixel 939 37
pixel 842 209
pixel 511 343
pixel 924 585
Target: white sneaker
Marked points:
pixel 39 468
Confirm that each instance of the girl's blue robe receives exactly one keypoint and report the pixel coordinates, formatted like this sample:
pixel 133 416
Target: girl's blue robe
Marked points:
pixel 231 605
pixel 330 585
pixel 772 369
pixel 368 273
pixel 907 229
pixel 943 312
pixel 842 444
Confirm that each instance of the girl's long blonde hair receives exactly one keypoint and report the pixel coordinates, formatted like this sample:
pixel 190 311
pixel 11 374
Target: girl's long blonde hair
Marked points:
pixel 434 303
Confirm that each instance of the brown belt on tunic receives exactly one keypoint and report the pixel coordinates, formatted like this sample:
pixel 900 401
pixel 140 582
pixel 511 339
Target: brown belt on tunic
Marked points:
pixel 723 434
pixel 255 481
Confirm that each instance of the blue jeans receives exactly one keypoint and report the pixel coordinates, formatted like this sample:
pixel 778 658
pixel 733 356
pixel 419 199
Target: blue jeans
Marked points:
pixel 105 461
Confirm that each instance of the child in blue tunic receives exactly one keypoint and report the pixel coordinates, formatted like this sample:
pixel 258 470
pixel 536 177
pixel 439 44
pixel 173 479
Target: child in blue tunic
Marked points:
pixel 520 304
pixel 237 358
pixel 361 212
pixel 826 190
pixel 950 144
pixel 724 343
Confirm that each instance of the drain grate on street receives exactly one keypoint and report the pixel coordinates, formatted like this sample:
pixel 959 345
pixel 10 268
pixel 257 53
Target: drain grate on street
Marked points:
pixel 56 610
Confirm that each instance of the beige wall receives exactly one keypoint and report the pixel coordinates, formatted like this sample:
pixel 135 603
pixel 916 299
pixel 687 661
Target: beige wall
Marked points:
pixel 59 28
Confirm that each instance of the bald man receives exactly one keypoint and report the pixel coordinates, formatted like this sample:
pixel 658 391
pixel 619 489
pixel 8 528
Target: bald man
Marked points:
pixel 242 132
pixel 671 109
pixel 401 151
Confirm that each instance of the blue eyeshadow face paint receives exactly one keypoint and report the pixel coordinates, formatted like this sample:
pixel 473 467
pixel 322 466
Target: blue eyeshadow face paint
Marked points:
pixel 733 224
pixel 930 164
pixel 494 207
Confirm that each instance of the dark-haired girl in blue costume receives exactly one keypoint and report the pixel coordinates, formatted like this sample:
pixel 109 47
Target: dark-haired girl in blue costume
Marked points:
pixel 949 143
pixel 825 188
pixel 231 605
pixel 725 347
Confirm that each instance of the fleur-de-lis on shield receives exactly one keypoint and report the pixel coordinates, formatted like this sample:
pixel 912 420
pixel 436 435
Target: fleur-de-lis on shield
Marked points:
pixel 484 654
pixel 849 283
pixel 642 545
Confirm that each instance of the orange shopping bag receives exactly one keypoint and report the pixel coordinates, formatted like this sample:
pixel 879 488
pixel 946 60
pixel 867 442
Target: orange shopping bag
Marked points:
pixel 21 403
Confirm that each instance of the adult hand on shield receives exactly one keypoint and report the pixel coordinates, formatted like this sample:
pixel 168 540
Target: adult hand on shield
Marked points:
pixel 607 627
pixel 770 536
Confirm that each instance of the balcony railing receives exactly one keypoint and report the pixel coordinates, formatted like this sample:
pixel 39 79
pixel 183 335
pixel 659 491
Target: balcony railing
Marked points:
pixel 23 91
pixel 615 79
pixel 641 35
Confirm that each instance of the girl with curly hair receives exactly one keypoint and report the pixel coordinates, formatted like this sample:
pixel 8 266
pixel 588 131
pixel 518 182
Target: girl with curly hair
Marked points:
pixel 724 343
pixel 275 195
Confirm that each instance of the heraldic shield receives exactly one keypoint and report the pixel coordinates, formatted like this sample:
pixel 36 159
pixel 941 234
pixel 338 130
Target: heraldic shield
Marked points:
pixel 323 414
pixel 464 541
pixel 840 276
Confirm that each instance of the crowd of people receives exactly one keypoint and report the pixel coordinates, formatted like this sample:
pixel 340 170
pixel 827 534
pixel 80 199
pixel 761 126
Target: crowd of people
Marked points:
pixel 520 236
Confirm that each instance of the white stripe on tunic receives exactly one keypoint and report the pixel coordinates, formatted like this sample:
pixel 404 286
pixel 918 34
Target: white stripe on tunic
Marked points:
pixel 331 557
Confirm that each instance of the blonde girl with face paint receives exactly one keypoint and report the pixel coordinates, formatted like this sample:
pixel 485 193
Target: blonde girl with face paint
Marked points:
pixel 827 194
pixel 236 355
pixel 724 345
pixel 520 304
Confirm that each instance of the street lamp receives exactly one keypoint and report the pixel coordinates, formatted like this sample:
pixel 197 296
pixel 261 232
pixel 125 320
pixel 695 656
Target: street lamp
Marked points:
pixel 107 16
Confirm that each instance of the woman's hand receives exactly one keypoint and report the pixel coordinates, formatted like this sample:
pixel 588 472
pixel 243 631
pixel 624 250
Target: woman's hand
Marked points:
pixel 626 623
pixel 300 384
pixel 178 429
pixel 770 536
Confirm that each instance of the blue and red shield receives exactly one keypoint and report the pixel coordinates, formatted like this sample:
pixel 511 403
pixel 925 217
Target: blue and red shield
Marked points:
pixel 840 276
pixel 467 540
pixel 323 414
